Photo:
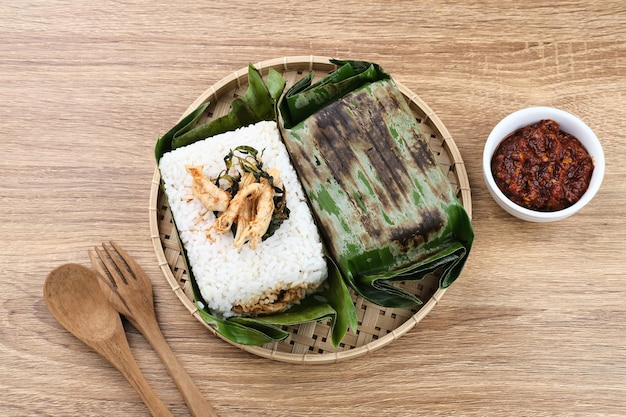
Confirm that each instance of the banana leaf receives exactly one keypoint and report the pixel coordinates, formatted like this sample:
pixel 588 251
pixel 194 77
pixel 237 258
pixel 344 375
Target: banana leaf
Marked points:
pixel 258 104
pixel 333 302
pixel 384 206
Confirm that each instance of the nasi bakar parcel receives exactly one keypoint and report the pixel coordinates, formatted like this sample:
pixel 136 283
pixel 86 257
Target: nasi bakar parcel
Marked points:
pixel 384 207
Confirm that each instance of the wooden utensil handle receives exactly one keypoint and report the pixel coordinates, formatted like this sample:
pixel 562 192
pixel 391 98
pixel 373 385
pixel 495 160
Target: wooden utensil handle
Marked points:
pixel 198 406
pixel 127 365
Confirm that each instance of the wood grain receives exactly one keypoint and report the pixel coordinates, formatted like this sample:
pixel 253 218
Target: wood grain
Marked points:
pixel 535 325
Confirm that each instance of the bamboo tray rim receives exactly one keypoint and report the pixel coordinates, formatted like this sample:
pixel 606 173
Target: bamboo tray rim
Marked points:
pixel 288 65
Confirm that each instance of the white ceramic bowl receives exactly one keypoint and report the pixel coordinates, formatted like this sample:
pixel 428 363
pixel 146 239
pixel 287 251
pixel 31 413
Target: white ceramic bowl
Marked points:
pixel 568 123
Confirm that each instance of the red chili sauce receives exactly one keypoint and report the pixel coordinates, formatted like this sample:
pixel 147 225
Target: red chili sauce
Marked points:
pixel 542 168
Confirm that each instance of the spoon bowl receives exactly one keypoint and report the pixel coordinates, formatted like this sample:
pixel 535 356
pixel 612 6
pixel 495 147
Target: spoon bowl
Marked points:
pixel 74 298
pixel 70 292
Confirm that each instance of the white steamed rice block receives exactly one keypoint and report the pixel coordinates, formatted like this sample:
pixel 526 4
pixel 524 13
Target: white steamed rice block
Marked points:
pixel 228 276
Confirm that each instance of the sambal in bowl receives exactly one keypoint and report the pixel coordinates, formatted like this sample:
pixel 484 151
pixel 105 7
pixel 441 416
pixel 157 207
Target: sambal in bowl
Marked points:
pixel 542 164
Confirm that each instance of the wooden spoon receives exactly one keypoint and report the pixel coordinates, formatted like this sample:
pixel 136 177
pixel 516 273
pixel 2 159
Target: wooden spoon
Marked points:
pixel 74 298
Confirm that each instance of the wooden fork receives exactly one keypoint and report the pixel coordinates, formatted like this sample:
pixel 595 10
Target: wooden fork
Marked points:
pixel 129 290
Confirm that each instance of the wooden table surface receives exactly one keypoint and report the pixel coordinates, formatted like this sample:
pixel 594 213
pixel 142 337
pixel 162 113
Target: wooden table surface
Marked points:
pixel 536 324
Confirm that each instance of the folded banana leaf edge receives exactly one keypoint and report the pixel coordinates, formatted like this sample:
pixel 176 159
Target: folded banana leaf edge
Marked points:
pixel 384 206
pixel 333 301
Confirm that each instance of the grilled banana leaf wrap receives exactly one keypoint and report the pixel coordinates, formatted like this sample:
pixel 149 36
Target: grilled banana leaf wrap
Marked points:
pixel 333 302
pixel 384 206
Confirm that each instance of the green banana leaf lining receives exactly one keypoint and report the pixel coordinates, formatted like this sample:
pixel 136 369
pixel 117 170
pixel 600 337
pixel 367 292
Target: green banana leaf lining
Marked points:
pixel 333 302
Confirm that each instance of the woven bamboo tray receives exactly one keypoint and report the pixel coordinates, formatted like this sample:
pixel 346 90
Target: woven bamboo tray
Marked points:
pixel 310 343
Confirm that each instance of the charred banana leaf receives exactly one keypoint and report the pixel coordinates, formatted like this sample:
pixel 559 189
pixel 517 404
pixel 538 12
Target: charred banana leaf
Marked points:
pixel 384 207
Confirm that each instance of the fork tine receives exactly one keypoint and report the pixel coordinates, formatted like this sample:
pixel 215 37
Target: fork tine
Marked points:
pixel 130 263
pixel 106 267
pixel 115 264
pixel 101 272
